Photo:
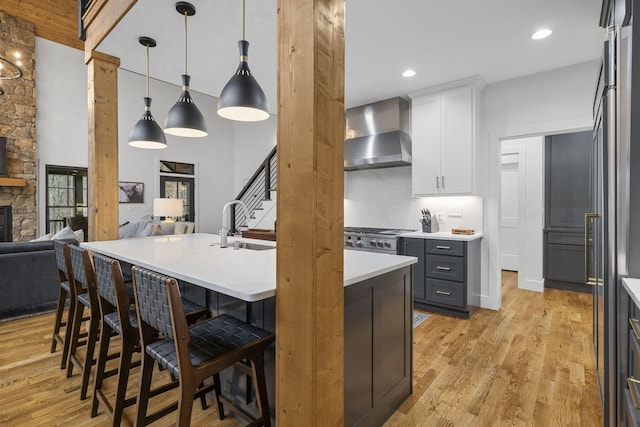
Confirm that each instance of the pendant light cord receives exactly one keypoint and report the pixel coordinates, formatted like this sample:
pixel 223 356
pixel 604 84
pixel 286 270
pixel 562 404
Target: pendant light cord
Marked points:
pixel 185 42
pixel 243 38
pixel 147 70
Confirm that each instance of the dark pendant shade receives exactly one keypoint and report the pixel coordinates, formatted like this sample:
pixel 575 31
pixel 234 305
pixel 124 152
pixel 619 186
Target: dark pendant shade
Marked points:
pixel 242 97
pixel 147 133
pixel 184 118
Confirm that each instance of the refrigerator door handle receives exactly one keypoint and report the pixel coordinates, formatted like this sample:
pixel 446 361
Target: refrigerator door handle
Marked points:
pixel 588 220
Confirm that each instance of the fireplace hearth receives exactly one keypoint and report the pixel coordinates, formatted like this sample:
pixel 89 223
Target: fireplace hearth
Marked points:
pixel 6 224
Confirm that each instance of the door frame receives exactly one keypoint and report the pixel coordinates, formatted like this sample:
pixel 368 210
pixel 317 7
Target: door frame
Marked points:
pixel 491 296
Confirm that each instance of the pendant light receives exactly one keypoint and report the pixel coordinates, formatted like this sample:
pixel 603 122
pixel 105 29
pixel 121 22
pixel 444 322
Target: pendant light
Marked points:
pixel 242 97
pixel 147 133
pixel 184 118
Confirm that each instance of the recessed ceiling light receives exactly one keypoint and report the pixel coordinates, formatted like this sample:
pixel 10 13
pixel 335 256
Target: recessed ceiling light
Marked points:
pixel 408 73
pixel 541 34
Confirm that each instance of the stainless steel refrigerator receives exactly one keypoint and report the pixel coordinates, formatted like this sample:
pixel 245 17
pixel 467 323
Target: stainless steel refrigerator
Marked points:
pixel 610 240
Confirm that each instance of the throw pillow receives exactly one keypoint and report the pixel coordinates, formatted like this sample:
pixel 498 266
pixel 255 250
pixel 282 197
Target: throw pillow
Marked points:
pixel 65 233
pixel 47 236
pixel 79 235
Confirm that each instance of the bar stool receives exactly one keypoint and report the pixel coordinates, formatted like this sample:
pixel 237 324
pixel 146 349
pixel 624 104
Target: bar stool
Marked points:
pixel 194 354
pixel 118 318
pixel 63 261
pixel 87 297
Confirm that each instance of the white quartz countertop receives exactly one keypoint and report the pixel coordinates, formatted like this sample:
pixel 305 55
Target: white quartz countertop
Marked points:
pixel 246 274
pixel 442 235
pixel 633 288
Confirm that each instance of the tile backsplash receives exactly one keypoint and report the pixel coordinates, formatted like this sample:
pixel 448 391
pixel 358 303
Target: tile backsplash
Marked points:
pixel 382 198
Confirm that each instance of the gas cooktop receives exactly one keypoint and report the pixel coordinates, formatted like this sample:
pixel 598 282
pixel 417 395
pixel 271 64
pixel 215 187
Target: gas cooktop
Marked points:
pixel 373 230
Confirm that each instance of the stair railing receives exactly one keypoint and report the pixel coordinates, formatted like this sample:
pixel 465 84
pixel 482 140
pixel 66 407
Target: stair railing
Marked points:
pixel 259 187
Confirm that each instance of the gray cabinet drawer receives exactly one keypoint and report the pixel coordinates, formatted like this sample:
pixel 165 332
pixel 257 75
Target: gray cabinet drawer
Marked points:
pixel 445 247
pixel 445 267
pixel 446 293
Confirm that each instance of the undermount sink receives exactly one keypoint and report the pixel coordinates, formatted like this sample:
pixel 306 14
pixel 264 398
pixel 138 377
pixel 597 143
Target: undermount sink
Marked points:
pixel 247 245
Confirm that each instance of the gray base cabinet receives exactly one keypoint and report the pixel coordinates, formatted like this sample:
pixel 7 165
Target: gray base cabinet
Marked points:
pixel 378 338
pixel 447 275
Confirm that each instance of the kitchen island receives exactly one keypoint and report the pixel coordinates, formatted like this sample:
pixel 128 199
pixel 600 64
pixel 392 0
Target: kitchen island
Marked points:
pixel 242 283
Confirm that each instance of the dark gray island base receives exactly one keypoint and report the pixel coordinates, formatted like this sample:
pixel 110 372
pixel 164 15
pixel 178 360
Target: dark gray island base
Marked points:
pixel 378 345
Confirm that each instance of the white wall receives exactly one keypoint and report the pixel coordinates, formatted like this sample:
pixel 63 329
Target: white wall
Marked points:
pixel 212 155
pixel 252 143
pixel 61 117
pixel 61 128
pixel 551 102
pixel 382 198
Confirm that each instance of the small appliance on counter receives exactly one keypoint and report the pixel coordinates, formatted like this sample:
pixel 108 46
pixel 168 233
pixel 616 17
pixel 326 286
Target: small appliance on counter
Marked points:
pixel 429 223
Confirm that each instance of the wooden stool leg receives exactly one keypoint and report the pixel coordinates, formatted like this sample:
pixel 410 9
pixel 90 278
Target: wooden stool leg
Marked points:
pixel 75 336
pixel 126 354
pixel 92 338
pixel 57 323
pixel 103 352
pixel 185 404
pixel 68 332
pixel 144 389
pixel 217 391
pixel 257 367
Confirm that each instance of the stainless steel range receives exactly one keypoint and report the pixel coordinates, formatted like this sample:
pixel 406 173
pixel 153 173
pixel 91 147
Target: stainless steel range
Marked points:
pixel 382 240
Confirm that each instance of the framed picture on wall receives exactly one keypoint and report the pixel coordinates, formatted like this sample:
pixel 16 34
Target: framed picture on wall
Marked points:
pixel 131 192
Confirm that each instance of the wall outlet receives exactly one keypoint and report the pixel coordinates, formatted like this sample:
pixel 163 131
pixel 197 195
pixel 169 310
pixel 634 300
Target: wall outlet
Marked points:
pixel 439 217
pixel 456 212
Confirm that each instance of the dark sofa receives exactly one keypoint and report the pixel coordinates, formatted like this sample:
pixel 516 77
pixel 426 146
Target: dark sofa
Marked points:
pixel 28 278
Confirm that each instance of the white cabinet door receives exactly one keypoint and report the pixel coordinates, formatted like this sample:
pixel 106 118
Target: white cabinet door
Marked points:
pixel 426 138
pixel 456 156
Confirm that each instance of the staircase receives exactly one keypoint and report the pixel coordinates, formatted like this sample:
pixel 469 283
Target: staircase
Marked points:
pixel 259 194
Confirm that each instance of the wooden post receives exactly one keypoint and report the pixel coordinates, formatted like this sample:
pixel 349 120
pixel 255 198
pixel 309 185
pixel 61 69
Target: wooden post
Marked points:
pixel 309 291
pixel 103 146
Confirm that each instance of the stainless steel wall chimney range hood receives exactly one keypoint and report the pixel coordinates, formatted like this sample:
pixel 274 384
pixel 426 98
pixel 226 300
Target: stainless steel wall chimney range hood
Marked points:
pixel 377 135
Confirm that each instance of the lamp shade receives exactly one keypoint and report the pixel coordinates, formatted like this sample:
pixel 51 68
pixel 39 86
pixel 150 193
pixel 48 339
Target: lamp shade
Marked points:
pixel 147 133
pixel 184 118
pixel 167 207
pixel 242 98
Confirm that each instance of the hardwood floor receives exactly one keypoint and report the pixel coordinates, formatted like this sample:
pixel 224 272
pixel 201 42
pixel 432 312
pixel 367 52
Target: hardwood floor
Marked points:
pixel 531 363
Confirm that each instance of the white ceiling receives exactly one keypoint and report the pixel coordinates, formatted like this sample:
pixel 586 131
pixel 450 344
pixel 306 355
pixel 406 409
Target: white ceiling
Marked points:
pixel 441 40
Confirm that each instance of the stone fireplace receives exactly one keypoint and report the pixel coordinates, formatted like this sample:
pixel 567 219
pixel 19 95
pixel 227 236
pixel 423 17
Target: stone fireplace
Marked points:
pixel 18 125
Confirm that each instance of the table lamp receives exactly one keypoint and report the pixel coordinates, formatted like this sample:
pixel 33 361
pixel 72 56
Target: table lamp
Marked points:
pixel 168 208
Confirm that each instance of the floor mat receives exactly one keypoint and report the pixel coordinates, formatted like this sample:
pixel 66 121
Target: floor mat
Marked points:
pixel 419 317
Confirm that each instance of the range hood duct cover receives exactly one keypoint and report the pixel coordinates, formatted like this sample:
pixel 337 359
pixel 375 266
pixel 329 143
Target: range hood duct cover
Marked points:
pixel 378 135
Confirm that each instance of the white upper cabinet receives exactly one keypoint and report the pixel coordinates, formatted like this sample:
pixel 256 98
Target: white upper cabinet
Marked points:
pixel 444 127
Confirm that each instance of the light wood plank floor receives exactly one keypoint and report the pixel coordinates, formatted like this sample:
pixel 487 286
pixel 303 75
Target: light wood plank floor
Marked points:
pixel 531 363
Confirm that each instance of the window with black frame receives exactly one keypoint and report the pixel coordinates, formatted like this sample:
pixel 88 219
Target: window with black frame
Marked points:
pixel 177 181
pixel 67 198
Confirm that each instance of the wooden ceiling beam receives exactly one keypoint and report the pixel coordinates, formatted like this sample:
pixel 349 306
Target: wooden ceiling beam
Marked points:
pixel 55 20
pixel 102 17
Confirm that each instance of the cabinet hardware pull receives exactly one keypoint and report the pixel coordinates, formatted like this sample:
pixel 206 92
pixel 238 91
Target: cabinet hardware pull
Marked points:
pixel 443 247
pixel 443 293
pixel 438 182
pixel 443 182
pixel 632 390
pixel 635 327
pixel 443 268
